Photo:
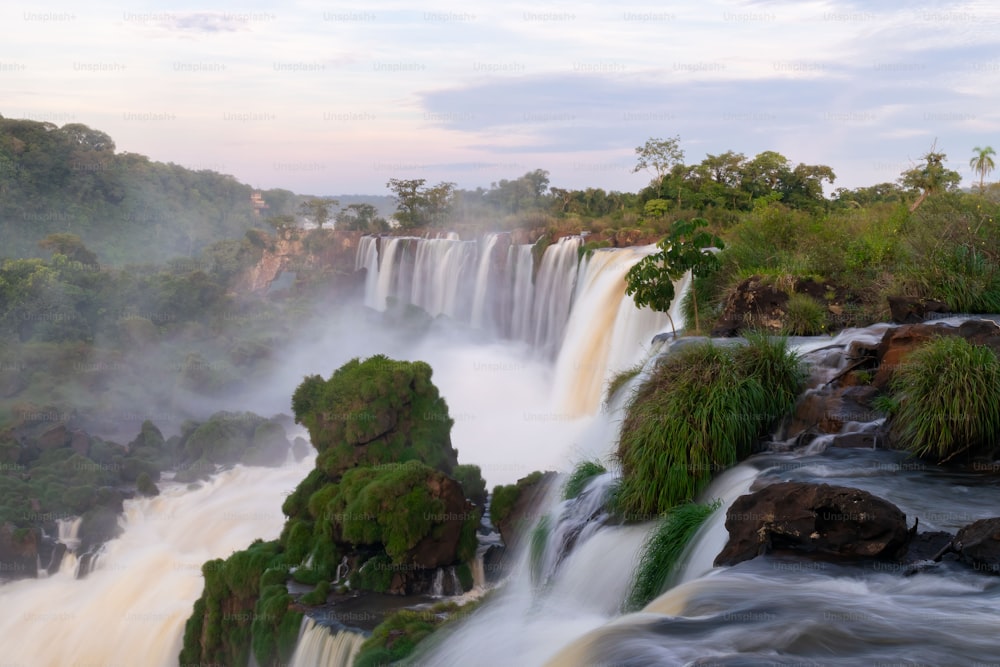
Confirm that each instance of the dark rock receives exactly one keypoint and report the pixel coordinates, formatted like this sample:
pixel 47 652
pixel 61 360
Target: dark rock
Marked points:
pixel 525 510
pixel 823 520
pixel 911 310
pixel 898 343
pixel 495 563
pixel 868 440
pixel 80 442
pixel 300 448
pixel 926 546
pixel 978 545
pixel 18 552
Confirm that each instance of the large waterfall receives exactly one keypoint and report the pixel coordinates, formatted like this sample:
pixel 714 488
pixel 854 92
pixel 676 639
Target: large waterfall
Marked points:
pixel 522 352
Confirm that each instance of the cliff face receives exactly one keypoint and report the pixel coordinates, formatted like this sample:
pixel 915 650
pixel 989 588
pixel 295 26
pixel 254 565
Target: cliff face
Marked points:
pixel 319 250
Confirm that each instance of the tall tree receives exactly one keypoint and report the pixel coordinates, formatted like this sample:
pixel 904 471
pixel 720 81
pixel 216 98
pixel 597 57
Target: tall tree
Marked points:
pixel 982 163
pixel 929 178
pixel 318 209
pixel 659 156
pixel 410 200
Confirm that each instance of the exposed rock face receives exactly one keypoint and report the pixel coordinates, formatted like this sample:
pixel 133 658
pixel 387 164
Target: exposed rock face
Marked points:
pixel 819 519
pixel 18 553
pixel 978 545
pixel 898 343
pixel 910 310
pixel 761 303
pixel 440 546
pixel 525 508
pixel 827 409
pixel 290 251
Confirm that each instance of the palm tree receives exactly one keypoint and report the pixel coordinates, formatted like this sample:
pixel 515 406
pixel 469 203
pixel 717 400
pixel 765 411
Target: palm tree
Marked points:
pixel 982 164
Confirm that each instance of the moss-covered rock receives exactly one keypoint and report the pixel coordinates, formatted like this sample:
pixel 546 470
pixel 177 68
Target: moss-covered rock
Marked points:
pixel 373 412
pixel 514 507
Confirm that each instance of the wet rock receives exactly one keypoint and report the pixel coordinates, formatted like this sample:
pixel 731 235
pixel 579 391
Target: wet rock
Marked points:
pixel 898 343
pixel 978 545
pixel 521 510
pixel 18 552
pixel 827 409
pixel 911 310
pixel 828 521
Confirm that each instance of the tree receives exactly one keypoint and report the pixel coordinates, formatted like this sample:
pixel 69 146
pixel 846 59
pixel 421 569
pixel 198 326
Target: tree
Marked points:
pixel 651 281
pixel 660 156
pixel 982 163
pixel 930 177
pixel 69 245
pixel 361 217
pixel 437 202
pixel 281 222
pixel 318 209
pixel 409 200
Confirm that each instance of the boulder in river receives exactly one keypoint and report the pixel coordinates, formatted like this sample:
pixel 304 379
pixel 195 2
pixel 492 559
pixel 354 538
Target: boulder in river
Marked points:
pixel 819 519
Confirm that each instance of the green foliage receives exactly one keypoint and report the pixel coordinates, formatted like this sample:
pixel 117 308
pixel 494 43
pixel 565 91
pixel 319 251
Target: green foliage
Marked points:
pixel 948 393
pixel 580 477
pixel 375 574
pixel 536 547
pixel 804 316
pixel 471 478
pixel 620 379
pixel 701 411
pixel 392 507
pixel 318 595
pixel 465 578
pixel 399 634
pixel 662 551
pixel 391 407
pixel 505 497
pixel 651 281
pixel 145 486
pixel 126 208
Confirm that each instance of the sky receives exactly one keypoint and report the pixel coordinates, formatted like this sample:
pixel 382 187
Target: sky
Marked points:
pixel 335 98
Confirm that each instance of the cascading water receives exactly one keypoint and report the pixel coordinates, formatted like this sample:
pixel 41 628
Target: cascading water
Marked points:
pixel 131 608
pixel 318 646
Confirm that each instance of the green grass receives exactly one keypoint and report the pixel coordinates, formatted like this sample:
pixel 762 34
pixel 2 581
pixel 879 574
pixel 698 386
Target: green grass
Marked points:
pixel 662 551
pixel 949 400
pixel 700 412
pixel 804 316
pixel 620 379
pixel 580 477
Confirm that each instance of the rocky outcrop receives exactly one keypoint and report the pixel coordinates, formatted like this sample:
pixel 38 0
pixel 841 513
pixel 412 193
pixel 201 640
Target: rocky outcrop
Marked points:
pixel 897 344
pixel 296 250
pixel 912 310
pixel 978 545
pixel 832 522
pixel 18 552
pixel 761 303
pixel 515 507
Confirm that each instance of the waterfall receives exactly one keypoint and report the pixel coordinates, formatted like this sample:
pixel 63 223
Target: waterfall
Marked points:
pixel 367 258
pixel 131 607
pixel 554 286
pixel 606 332
pixel 481 301
pixel 520 263
pixel 318 646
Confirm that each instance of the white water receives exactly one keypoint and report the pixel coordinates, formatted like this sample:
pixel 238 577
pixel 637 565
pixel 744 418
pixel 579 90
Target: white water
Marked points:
pixel 318 647
pixel 131 609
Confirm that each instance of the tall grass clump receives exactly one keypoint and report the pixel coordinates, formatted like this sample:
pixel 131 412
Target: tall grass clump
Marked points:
pixel 663 549
pixel 580 477
pixel 701 411
pixel 620 379
pixel 804 316
pixel 948 395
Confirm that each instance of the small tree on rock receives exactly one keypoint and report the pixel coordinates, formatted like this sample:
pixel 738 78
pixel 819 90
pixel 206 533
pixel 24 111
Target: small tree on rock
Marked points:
pixel 686 248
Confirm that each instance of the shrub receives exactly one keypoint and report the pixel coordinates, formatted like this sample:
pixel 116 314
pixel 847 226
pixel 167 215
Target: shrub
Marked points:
pixel 948 396
pixel 701 411
pixel 662 550
pixel 804 316
pixel 580 477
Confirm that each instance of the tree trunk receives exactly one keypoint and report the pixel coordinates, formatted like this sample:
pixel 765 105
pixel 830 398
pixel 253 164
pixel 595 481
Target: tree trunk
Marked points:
pixel 920 200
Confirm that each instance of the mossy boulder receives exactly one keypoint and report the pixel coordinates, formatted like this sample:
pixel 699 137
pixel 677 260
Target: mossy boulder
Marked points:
pixel 374 412
pixel 515 507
